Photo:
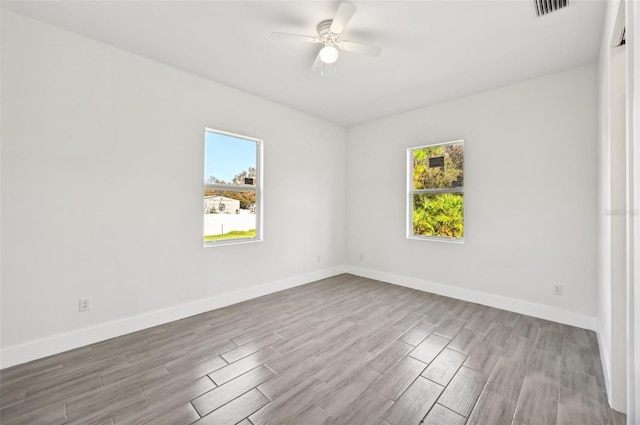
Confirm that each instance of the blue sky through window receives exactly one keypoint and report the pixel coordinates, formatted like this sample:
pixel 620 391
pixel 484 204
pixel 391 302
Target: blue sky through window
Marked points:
pixel 225 156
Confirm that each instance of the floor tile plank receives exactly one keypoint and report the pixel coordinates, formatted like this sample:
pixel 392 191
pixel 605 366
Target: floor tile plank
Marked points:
pixel 82 404
pixel 290 404
pixel 184 414
pixel 465 340
pixel 408 321
pixel 184 375
pixel 311 414
pixel 526 328
pixel 250 347
pixel 517 348
pixel 538 402
pixel 391 355
pixel 49 414
pixel 393 383
pixel 445 366
pixel 164 402
pixel 414 404
pixel 98 409
pixel 223 394
pixel 549 340
pixel 506 378
pixel 213 339
pixel 206 354
pixel 497 334
pixel 417 334
pixel 12 397
pixel 577 336
pixel 463 391
pixel 440 415
pixel 483 358
pixel 229 372
pixel 291 377
pixel 578 391
pixel 450 327
pixel 15 377
pixel 347 390
pixel 366 410
pixel 543 365
pixel 429 349
pixel 492 408
pixel 577 358
pixel 236 410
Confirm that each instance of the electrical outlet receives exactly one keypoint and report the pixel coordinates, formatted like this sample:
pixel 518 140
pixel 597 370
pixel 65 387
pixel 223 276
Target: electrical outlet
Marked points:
pixel 557 289
pixel 319 259
pixel 361 257
pixel 84 304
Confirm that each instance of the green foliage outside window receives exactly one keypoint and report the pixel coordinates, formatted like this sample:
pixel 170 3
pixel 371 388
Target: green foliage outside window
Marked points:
pixel 438 178
pixel 450 175
pixel 438 215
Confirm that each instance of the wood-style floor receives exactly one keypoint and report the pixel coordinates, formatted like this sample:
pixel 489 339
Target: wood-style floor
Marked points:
pixel 344 350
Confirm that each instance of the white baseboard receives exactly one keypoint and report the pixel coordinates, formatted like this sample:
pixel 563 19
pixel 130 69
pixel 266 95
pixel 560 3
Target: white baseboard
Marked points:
pixel 510 304
pixel 32 350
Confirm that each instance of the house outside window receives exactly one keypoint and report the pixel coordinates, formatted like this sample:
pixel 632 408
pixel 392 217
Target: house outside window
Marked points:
pixel 435 182
pixel 232 204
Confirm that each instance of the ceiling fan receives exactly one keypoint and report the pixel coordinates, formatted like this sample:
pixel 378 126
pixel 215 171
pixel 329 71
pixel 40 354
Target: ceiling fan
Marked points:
pixel 329 32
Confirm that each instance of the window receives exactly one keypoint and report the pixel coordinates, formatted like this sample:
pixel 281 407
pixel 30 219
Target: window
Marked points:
pixel 232 188
pixel 435 184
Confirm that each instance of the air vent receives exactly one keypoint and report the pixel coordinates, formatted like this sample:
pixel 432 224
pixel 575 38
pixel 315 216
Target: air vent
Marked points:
pixel 544 7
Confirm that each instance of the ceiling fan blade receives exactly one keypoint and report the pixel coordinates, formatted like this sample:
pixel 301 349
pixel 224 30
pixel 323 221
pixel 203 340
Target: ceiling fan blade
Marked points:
pixel 345 12
pixel 316 67
pixel 287 36
pixel 361 48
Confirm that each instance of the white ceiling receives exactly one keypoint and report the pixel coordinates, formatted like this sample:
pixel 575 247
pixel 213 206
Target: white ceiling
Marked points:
pixel 432 50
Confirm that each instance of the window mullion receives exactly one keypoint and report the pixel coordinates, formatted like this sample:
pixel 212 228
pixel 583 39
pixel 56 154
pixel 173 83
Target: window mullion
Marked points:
pixel 447 190
pixel 230 187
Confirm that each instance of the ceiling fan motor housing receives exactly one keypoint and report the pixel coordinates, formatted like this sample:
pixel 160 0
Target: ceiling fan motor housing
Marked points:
pixel 327 37
pixel 323 27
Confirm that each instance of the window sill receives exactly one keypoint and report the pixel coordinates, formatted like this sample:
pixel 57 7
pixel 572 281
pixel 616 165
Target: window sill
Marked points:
pixel 230 242
pixel 437 239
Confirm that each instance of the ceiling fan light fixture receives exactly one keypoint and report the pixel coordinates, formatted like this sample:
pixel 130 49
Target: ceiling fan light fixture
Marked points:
pixel 329 33
pixel 329 54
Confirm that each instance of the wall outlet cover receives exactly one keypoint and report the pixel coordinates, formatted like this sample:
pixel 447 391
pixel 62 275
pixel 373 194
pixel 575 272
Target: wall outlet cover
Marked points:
pixel 84 304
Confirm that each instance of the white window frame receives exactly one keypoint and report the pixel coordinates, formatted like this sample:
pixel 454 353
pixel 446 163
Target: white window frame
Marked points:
pixel 258 188
pixel 411 192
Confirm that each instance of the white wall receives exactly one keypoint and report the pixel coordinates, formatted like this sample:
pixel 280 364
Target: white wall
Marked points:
pixel 90 133
pixel 530 197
